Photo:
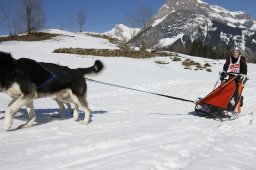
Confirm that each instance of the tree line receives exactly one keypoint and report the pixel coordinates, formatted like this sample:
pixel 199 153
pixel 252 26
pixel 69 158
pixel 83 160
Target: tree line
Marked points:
pixel 198 48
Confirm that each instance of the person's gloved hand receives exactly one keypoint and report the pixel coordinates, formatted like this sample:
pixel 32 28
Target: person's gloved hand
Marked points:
pixel 242 78
pixel 222 74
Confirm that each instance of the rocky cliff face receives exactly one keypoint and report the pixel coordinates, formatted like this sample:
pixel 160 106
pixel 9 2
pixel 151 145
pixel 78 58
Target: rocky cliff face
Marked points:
pixel 180 21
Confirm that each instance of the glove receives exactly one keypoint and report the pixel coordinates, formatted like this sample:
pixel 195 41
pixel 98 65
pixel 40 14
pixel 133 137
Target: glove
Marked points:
pixel 222 74
pixel 242 78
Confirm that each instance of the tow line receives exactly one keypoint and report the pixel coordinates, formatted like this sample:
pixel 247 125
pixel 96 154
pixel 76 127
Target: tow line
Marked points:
pixel 143 91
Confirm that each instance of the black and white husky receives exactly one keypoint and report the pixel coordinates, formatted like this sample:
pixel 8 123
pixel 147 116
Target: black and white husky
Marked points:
pixel 25 79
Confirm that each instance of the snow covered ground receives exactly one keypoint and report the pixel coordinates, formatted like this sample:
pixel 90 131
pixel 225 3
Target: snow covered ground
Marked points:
pixel 129 130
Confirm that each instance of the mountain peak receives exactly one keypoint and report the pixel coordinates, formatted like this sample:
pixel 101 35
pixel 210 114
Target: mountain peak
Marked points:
pixel 181 21
pixel 184 4
pixel 198 7
pixel 122 32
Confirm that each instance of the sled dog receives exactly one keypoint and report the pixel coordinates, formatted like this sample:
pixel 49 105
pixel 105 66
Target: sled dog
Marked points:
pixel 55 69
pixel 25 79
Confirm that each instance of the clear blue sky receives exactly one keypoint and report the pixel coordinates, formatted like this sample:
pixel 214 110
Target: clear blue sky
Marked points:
pixel 102 15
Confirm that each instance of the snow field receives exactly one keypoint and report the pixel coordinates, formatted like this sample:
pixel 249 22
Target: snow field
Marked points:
pixel 129 130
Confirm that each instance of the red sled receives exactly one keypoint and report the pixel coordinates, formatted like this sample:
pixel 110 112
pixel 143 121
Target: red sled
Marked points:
pixel 224 101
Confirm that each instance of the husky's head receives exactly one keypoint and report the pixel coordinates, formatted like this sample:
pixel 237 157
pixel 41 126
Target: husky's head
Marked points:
pixel 6 67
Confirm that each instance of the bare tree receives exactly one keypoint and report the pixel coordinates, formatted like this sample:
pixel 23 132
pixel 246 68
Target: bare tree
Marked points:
pixel 141 17
pixel 34 15
pixel 27 15
pixel 81 20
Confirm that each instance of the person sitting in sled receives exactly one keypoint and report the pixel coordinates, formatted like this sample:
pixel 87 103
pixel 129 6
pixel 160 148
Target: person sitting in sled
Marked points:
pixel 237 64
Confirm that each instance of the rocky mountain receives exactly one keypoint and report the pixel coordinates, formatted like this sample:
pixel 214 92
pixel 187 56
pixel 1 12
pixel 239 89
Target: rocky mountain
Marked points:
pixel 122 32
pixel 180 21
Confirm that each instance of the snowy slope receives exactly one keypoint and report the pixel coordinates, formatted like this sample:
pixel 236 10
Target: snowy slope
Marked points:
pixel 129 130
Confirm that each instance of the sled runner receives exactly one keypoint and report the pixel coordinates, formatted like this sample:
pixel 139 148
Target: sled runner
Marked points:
pixel 224 102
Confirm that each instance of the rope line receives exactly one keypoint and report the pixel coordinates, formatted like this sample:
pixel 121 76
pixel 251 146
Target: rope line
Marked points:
pixel 143 91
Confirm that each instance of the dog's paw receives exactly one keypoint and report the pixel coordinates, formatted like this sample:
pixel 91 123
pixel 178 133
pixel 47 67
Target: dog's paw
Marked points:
pixel 75 116
pixel 7 127
pixel 8 121
pixel 24 126
pixel 84 123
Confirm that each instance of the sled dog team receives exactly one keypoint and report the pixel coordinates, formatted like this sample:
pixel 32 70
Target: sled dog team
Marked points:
pixel 25 80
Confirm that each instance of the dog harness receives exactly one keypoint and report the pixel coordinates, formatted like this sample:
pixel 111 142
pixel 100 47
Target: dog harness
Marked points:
pixel 53 76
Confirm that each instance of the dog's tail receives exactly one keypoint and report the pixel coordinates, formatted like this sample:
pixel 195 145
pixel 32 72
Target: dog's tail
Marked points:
pixel 97 67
